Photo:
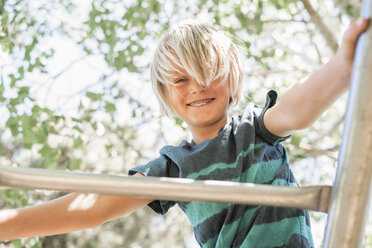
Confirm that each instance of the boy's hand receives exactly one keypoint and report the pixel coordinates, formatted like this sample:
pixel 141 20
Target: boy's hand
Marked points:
pixel 304 102
pixel 345 54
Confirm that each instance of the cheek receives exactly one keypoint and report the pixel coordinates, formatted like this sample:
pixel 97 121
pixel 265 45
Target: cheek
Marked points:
pixel 224 92
pixel 176 96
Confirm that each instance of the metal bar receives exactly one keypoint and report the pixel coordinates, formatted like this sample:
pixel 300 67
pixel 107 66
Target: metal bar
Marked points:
pixel 314 197
pixel 352 188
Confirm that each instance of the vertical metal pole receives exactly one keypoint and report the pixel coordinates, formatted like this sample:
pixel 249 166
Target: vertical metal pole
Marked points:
pixel 352 187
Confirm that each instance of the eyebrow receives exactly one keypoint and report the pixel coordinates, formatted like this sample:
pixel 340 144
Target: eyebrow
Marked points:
pixel 176 75
pixel 181 76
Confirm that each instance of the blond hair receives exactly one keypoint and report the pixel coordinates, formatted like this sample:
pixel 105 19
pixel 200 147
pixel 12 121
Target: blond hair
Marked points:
pixel 203 53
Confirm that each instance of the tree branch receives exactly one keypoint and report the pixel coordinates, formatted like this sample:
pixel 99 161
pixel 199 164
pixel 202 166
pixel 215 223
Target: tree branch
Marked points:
pixel 314 153
pixel 328 132
pixel 317 20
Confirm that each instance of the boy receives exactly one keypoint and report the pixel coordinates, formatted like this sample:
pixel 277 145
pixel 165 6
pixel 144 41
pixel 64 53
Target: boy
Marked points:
pixel 196 75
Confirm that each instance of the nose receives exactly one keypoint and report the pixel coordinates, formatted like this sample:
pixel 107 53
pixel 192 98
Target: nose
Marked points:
pixel 195 87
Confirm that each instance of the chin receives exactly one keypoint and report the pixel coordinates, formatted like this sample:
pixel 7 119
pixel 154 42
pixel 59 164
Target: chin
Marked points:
pixel 202 122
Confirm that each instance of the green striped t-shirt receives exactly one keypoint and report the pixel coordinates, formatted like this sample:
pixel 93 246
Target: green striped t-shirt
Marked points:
pixel 243 151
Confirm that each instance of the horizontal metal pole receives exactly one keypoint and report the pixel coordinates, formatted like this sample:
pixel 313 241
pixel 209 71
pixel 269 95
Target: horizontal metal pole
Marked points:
pixel 177 189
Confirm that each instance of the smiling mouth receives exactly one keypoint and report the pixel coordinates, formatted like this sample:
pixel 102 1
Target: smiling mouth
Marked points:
pixel 200 103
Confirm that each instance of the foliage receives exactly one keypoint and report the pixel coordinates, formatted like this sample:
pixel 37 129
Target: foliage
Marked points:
pixel 282 42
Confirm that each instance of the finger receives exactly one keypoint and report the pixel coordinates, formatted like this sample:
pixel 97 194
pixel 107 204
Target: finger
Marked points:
pixel 356 28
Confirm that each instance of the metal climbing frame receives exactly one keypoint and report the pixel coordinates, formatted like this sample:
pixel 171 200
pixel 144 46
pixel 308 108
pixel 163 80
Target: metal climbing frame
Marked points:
pixel 346 202
pixel 351 192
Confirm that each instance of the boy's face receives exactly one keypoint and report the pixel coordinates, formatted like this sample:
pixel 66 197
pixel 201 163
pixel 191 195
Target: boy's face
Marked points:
pixel 199 106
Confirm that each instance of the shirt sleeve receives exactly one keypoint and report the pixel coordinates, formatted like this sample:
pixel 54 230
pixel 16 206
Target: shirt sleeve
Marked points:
pixel 160 167
pixel 260 127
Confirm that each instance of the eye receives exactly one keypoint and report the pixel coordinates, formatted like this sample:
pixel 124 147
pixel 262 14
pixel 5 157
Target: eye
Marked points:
pixel 180 80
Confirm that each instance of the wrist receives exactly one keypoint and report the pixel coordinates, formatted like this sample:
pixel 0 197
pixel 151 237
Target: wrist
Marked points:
pixel 342 69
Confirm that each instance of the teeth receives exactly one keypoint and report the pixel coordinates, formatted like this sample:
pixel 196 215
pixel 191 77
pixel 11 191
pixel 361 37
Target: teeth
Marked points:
pixel 200 103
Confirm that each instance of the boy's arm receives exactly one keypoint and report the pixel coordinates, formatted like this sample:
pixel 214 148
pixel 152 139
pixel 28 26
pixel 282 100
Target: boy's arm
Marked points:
pixel 66 214
pixel 303 103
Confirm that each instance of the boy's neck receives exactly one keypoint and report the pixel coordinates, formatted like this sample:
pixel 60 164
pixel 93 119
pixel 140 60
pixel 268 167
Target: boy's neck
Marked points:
pixel 202 133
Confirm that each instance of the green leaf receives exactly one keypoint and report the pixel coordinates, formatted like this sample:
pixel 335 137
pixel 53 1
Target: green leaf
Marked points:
pixel 21 71
pixel 76 120
pixel 40 136
pixel 179 123
pixel 109 147
pixel 29 138
pixel 156 7
pixel 110 107
pixel 296 140
pixel 45 150
pixel 50 156
pixel 2 4
pixel 2 88
pixel 13 80
pixel 47 111
pixel 27 122
pixel 44 128
pixel 17 243
pixel 81 106
pixel 76 164
pixel 13 124
pixel 94 126
pixel 15 101
pixel 35 109
pixel 77 128
pixel 87 118
pixel 78 143
pixel 94 96
pixel 301 156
